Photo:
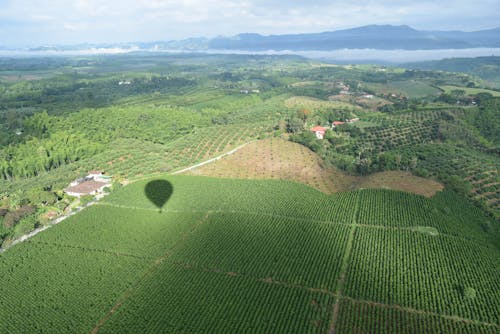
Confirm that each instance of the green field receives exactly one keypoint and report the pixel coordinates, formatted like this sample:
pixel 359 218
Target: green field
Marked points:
pixel 470 91
pixel 221 255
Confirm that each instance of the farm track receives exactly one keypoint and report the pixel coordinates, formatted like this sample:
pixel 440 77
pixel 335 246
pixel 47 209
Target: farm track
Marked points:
pixel 421 312
pixel 210 160
pixel 343 270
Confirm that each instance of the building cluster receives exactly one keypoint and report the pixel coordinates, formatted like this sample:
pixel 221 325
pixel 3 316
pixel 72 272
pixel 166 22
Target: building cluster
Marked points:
pixel 320 131
pixel 93 184
pixel 250 91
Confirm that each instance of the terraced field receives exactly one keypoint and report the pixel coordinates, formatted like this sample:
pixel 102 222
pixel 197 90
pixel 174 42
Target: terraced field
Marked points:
pixel 227 255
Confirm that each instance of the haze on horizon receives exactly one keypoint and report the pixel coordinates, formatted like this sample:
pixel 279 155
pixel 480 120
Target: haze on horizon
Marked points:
pixel 38 22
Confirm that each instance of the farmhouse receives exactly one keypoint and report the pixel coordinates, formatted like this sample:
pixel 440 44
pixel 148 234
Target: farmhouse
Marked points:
pixel 319 131
pixel 93 184
pixel 336 123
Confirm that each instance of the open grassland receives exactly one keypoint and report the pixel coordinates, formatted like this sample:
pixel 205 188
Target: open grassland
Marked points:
pixel 226 255
pixel 279 159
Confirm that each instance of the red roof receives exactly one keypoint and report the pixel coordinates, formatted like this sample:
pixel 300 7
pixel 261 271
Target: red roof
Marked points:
pixel 318 129
pixel 338 123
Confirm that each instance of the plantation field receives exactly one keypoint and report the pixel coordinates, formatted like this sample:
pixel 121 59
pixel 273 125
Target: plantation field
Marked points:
pixel 275 158
pixel 477 168
pixel 313 103
pixel 206 255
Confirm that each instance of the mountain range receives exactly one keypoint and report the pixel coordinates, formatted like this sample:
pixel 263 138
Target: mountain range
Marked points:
pixel 382 37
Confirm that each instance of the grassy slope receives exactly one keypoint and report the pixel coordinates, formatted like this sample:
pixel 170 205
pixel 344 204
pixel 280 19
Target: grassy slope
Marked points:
pixel 259 256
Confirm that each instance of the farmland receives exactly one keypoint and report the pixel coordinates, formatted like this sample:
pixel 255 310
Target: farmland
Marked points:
pixel 259 259
pixel 470 91
pixel 388 224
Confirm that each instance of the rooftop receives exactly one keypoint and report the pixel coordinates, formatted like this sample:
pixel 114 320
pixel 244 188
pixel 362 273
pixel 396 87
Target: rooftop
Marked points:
pixel 318 128
pixel 86 187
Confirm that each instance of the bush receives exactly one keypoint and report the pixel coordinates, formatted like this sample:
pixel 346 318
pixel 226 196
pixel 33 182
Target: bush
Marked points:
pixel 13 217
pixel 422 172
pixel 458 185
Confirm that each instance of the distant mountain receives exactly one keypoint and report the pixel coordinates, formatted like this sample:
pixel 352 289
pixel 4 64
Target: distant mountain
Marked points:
pixel 385 37
pixel 381 37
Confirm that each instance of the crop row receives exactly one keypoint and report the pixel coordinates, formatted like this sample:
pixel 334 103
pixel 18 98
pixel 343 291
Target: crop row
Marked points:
pixel 432 273
pixel 295 252
pixel 355 317
pixel 53 289
pixel 177 299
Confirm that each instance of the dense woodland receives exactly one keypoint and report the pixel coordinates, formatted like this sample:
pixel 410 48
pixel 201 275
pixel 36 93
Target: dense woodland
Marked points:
pixel 142 114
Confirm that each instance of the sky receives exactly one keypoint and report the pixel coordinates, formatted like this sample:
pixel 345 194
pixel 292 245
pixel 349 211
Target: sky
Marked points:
pixel 48 22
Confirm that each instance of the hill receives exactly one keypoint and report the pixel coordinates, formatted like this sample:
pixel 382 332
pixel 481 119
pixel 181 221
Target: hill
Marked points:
pixel 276 158
pixel 197 254
pixel 486 68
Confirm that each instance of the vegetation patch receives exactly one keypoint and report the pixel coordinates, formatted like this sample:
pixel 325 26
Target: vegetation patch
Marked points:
pixel 426 230
pixel 315 103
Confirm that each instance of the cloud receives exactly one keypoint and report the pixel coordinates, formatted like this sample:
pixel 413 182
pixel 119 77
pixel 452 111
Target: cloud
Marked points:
pixel 75 21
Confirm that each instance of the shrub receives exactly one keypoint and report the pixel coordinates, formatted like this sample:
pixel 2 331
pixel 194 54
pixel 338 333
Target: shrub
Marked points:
pixel 84 200
pixel 469 293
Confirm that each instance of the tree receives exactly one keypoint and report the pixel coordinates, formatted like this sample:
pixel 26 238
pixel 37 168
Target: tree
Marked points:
pixel 303 114
pixel 294 125
pixel 38 124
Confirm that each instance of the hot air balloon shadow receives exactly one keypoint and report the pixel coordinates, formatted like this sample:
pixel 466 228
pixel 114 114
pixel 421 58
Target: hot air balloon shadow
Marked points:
pixel 159 192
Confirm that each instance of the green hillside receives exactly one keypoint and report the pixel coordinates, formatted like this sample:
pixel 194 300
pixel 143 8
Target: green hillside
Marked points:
pixel 246 256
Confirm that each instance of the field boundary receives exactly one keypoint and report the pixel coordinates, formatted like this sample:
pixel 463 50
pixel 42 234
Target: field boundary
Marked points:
pixel 43 228
pixel 421 312
pixel 148 272
pixel 344 267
